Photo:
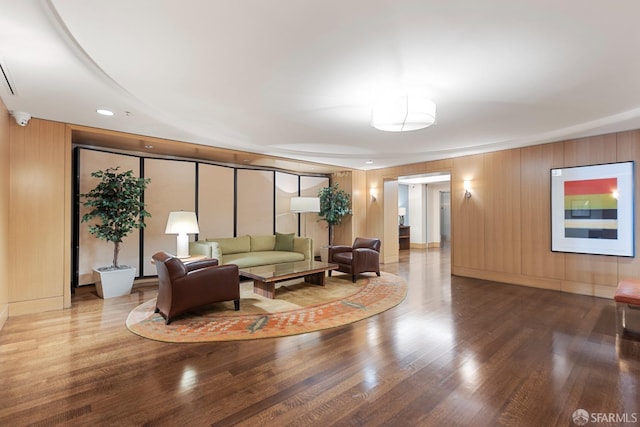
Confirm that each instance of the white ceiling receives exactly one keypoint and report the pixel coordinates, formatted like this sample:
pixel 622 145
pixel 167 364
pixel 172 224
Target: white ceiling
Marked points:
pixel 297 79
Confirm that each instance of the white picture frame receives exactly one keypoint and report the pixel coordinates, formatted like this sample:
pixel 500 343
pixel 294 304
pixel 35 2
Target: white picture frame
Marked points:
pixel 592 209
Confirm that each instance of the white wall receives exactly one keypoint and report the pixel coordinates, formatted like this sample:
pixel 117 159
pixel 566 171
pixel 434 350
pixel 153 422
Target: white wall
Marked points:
pixel 417 214
pixel 433 212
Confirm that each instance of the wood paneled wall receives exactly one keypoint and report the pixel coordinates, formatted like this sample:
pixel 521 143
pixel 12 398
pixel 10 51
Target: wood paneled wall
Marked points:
pixel 354 183
pixel 503 212
pixel 537 258
pixel 40 215
pixel 503 233
pixel 4 213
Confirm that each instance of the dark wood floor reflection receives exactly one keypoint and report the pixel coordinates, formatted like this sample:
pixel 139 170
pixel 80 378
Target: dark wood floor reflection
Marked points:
pixel 457 351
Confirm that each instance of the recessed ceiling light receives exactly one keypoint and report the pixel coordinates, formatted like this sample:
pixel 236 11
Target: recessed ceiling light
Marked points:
pixel 105 112
pixel 369 162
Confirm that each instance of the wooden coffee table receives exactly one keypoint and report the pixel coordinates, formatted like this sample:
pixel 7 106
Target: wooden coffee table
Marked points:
pixel 265 276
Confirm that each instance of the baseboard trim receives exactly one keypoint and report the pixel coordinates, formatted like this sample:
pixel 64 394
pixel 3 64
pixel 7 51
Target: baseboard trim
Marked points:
pixel 589 289
pixel 4 315
pixel 36 306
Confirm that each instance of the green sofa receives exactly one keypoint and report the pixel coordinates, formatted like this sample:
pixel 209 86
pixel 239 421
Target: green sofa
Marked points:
pixel 254 250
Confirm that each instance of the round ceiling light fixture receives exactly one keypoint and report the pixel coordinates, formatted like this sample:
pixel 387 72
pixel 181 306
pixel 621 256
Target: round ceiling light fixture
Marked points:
pixel 402 112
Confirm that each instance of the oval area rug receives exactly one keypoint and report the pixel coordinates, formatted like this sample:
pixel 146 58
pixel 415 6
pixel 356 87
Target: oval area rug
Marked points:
pixel 298 308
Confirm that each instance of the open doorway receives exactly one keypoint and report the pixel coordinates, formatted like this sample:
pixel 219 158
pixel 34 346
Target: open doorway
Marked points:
pixel 425 202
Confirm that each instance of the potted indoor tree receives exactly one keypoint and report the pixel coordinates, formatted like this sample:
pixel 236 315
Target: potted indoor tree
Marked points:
pixel 116 201
pixel 335 204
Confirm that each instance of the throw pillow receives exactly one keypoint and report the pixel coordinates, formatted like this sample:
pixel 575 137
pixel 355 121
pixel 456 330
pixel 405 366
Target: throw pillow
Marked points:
pixel 263 243
pixel 284 242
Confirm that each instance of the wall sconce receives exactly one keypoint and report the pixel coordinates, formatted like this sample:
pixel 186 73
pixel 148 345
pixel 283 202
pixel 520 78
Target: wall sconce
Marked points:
pixel 467 189
pixel 374 194
pixel 182 223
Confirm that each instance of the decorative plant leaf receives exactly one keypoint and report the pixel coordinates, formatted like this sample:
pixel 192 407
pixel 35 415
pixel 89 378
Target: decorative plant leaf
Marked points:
pixel 117 202
pixel 335 204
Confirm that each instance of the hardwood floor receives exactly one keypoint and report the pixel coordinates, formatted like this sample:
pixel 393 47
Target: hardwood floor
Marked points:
pixel 457 351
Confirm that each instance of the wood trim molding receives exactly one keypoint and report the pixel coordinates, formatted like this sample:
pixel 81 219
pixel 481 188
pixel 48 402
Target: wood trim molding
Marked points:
pixel 35 306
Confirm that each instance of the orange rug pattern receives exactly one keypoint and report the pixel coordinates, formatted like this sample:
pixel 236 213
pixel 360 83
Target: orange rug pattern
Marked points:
pixel 375 295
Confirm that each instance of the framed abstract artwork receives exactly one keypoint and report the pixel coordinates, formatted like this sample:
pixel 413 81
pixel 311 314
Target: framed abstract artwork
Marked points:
pixel 592 209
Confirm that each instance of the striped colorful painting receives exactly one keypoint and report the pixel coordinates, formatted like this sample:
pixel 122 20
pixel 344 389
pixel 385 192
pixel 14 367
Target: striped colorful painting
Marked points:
pixel 590 209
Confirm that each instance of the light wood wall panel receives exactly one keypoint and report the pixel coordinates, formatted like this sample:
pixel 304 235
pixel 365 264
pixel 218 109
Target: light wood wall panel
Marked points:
pixel 286 188
pixel 172 188
pixel 39 215
pixel 590 151
pixel 255 202
pixel 343 234
pixel 503 240
pixel 4 214
pixel 216 194
pixel 316 229
pixel 354 183
pixel 93 252
pixel 375 217
pixel 359 205
pixel 537 258
pixel 468 215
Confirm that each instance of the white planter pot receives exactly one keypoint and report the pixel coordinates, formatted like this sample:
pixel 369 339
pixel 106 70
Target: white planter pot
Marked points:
pixel 114 283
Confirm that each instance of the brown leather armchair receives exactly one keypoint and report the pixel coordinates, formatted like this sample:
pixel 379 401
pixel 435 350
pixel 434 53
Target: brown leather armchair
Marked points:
pixel 183 287
pixel 363 256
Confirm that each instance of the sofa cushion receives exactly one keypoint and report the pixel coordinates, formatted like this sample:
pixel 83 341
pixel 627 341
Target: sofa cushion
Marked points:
pixel 253 259
pixel 233 245
pixel 263 243
pixel 284 242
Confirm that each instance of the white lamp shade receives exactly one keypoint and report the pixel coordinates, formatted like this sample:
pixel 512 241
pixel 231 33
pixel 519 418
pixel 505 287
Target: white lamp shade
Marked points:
pixel 305 204
pixel 402 211
pixel 182 222
pixel 403 112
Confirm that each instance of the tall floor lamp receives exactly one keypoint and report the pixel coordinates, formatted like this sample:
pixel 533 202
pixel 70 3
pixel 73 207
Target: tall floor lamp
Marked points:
pixel 182 223
pixel 303 205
